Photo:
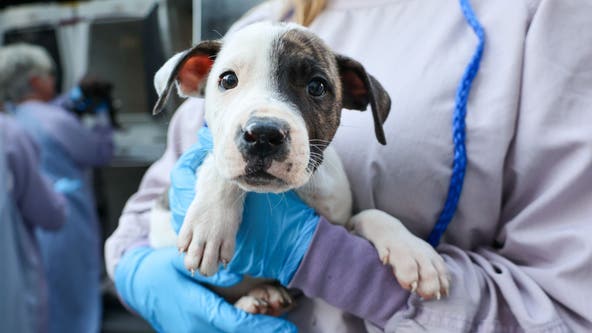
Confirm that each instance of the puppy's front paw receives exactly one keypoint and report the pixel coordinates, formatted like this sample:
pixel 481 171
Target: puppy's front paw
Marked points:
pixel 208 237
pixel 416 265
pixel 271 300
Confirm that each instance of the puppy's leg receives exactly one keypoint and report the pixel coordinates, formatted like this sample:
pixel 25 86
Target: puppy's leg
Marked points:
pixel 208 233
pixel 416 265
pixel 268 299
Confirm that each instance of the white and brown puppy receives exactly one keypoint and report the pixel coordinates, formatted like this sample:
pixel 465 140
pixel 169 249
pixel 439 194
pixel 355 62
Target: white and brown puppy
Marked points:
pixel 273 100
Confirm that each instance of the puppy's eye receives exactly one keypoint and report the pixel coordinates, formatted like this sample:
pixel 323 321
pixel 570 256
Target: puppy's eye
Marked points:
pixel 316 87
pixel 228 80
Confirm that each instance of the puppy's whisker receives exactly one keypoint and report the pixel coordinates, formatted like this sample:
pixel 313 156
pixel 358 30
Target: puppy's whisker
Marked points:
pixel 319 140
pixel 318 159
pixel 349 126
pixel 269 203
pixel 312 185
pixel 284 199
pixel 218 33
pixel 239 198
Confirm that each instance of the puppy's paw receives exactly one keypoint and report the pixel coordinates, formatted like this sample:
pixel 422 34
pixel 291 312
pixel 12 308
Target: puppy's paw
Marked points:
pixel 208 238
pixel 271 300
pixel 416 265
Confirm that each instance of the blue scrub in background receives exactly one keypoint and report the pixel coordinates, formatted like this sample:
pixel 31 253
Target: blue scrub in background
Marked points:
pixel 22 294
pixel 27 202
pixel 71 256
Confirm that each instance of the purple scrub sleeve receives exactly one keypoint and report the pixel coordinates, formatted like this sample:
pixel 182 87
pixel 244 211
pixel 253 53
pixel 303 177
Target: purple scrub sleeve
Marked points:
pixel 342 269
pixel 38 203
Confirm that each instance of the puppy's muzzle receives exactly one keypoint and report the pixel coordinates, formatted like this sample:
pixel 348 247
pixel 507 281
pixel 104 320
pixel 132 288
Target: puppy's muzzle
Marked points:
pixel 262 141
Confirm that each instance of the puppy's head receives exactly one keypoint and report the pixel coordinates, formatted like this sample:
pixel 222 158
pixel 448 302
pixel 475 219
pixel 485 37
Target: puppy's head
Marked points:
pixel 273 100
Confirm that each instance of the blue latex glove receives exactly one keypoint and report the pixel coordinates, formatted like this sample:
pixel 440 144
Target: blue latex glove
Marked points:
pixel 67 185
pixel 274 236
pixel 81 103
pixel 77 101
pixel 276 229
pixel 171 301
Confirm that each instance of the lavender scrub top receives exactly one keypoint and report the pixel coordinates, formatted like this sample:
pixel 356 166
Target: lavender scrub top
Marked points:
pixel 72 255
pixel 39 205
pixel 27 202
pixel 518 249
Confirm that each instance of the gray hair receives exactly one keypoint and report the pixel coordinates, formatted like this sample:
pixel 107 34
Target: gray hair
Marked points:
pixel 18 64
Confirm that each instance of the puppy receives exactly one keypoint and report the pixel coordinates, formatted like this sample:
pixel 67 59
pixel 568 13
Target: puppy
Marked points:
pixel 273 100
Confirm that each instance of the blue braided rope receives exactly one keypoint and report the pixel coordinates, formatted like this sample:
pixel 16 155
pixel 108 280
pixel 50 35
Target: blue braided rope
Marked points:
pixel 458 129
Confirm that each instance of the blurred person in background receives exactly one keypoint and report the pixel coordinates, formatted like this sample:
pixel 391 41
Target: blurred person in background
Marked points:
pixel 69 149
pixel 518 249
pixel 27 202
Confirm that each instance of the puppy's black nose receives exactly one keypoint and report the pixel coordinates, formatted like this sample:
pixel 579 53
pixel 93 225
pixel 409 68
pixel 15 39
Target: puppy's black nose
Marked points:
pixel 264 137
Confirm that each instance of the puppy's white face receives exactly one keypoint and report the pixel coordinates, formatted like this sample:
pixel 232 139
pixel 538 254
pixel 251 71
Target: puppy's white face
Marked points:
pixel 273 101
pixel 242 94
pixel 261 138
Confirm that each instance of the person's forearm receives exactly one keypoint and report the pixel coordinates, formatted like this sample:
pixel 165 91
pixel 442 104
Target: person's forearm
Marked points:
pixel 345 271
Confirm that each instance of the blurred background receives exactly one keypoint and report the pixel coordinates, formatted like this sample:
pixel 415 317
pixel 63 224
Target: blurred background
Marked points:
pixel 123 42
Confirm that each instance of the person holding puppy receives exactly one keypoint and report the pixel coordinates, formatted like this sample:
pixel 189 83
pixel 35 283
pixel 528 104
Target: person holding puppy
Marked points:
pixel 505 183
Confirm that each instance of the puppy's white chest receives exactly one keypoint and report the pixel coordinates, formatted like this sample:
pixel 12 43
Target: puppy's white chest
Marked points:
pixel 328 190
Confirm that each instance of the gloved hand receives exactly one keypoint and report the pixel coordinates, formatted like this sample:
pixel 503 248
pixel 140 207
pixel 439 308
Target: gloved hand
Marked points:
pixel 171 301
pixel 76 100
pixel 182 188
pixel 93 96
pixel 274 236
pixel 67 185
pixel 276 229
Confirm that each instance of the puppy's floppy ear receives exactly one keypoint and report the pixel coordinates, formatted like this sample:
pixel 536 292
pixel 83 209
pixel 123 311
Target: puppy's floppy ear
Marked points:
pixel 188 70
pixel 360 89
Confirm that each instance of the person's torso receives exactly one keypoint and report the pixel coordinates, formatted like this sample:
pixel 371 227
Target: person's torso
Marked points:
pixel 56 163
pixel 39 120
pixel 23 295
pixel 419 50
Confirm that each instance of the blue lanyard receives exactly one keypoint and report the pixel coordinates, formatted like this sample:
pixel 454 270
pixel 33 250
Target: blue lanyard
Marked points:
pixel 458 128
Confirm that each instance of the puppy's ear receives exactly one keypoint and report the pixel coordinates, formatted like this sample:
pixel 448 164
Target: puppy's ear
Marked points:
pixel 360 89
pixel 188 70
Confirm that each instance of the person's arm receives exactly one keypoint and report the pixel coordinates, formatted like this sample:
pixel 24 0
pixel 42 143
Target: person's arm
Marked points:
pixel 86 146
pixel 36 200
pixel 345 271
pixel 134 222
pixel 538 278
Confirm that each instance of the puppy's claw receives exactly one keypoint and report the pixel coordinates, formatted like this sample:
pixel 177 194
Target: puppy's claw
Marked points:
pixel 192 272
pixel 385 258
pixel 224 263
pixel 438 296
pixel 413 286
